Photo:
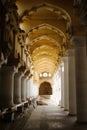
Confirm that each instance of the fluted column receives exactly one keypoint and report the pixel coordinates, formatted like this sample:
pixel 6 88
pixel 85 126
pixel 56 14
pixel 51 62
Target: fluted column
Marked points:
pixel 27 88
pixel 62 84
pixel 23 88
pixel 17 87
pixel 66 87
pixel 72 82
pixel 81 77
pixel 6 86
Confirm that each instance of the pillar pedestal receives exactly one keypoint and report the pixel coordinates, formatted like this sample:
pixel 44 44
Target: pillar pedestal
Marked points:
pixel 6 86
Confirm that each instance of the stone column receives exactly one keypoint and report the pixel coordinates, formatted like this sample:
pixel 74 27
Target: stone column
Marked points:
pixel 6 86
pixel 72 82
pixel 17 87
pixel 31 87
pixel 66 87
pixel 23 88
pixel 62 84
pixel 27 88
pixel 81 77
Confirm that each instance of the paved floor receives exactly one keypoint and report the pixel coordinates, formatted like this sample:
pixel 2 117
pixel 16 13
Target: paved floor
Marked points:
pixel 52 118
pixel 48 118
pixel 44 117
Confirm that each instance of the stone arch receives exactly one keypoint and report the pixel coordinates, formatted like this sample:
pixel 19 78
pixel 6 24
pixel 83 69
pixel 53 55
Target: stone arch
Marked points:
pixel 50 27
pixel 45 88
pixel 56 9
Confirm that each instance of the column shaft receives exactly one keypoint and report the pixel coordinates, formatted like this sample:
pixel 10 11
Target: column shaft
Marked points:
pixel 17 87
pixel 6 86
pixel 62 85
pixel 72 82
pixel 81 77
pixel 27 88
pixel 23 88
pixel 66 87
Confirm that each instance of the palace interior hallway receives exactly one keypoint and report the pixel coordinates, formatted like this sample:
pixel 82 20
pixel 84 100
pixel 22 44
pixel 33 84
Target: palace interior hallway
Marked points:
pixel 43 64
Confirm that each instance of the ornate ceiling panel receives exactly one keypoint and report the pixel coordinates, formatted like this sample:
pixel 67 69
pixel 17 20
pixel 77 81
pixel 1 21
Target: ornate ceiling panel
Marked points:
pixel 47 26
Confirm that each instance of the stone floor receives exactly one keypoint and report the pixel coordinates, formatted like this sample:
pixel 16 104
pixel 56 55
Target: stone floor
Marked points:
pixel 44 117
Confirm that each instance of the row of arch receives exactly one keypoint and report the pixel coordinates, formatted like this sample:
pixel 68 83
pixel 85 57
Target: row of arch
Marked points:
pixel 46 42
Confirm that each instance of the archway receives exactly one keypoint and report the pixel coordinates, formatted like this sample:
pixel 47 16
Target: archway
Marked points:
pixel 45 88
pixel 45 91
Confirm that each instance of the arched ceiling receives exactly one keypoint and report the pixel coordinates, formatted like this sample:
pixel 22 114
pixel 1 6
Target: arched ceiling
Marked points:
pixel 46 26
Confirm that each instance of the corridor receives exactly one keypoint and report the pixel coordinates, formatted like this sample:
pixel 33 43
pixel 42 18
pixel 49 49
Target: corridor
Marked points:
pixel 43 53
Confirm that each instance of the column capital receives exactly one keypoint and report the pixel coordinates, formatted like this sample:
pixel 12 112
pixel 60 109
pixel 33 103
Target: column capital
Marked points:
pixel 71 52
pixel 8 69
pixel 64 59
pixel 19 74
pixel 78 41
pixel 61 64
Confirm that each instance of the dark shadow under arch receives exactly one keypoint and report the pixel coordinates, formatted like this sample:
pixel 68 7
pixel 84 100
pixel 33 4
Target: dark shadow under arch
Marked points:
pixel 45 89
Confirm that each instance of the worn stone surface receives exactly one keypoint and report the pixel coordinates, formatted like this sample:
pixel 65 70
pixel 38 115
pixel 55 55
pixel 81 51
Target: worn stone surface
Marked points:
pixel 45 117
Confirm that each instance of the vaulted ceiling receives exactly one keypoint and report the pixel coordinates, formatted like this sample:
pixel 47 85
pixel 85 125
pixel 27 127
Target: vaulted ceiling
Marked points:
pixel 47 24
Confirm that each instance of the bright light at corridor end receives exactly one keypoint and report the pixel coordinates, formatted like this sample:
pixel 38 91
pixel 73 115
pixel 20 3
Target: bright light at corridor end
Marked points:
pixel 45 75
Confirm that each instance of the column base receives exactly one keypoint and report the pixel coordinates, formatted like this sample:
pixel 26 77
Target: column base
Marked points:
pixel 81 122
pixel 9 116
pixel 66 110
pixel 72 114
pixel 20 109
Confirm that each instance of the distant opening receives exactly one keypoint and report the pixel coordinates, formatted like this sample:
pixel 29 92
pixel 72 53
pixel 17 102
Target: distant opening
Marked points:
pixel 45 89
